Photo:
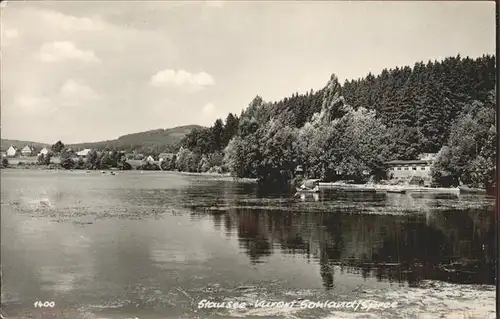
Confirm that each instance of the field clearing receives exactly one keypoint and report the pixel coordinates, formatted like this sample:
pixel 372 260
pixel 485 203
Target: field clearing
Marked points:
pixel 30 160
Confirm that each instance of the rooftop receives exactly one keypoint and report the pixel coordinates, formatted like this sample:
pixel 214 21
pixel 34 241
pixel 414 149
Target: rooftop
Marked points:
pixel 409 162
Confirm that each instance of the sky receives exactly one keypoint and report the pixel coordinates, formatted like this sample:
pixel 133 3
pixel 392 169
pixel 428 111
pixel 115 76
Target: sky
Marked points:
pixel 90 71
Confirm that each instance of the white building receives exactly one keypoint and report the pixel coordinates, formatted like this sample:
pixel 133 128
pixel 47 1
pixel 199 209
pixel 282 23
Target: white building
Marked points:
pixel 27 151
pixel 44 151
pixel 12 151
pixel 84 153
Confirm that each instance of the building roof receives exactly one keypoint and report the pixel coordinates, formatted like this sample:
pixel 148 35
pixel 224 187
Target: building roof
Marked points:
pixel 410 162
pixel 428 156
pixel 84 152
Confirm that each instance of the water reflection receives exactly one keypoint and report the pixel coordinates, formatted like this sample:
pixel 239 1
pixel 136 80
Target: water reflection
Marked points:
pixel 450 245
pixel 131 240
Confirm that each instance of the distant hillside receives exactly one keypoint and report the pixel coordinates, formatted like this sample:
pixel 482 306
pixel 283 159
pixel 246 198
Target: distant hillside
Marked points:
pixel 6 143
pixel 154 141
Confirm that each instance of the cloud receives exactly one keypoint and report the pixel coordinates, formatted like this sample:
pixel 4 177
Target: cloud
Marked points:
pixel 73 89
pixel 7 35
pixel 31 104
pixel 208 109
pixel 71 94
pixel 65 50
pixel 74 94
pixel 182 79
pixel 71 23
pixel 209 113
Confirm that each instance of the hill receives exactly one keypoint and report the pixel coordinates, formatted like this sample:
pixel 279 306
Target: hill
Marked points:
pixel 154 141
pixel 6 143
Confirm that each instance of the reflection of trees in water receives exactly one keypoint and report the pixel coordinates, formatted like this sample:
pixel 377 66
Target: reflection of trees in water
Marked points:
pixel 252 235
pixel 452 245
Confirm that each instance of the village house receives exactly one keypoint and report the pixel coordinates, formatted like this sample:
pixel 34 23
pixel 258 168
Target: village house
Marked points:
pixel 83 153
pixel 44 151
pixel 12 151
pixel 27 151
pixel 150 159
pixel 404 170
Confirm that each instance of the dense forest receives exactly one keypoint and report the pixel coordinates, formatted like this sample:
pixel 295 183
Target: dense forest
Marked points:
pixel 349 131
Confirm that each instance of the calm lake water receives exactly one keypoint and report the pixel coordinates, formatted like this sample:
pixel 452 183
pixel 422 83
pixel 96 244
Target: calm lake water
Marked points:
pixel 154 244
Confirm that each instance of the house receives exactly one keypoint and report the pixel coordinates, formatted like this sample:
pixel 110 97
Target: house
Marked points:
pixel 12 151
pixel 150 159
pixel 83 153
pixel 406 169
pixel 4 154
pixel 27 151
pixel 44 151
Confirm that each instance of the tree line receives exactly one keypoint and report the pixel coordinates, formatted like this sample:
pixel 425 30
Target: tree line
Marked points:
pixel 350 130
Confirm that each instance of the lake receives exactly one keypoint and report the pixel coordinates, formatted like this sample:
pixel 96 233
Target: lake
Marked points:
pixel 155 244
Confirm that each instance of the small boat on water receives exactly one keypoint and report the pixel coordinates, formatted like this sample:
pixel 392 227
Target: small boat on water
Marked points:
pixel 396 190
pixel 308 190
pixel 309 186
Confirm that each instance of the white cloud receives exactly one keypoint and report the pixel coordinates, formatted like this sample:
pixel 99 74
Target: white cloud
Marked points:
pixel 65 50
pixel 32 105
pixel 71 23
pixel 7 35
pixel 209 113
pixel 182 78
pixel 208 109
pixel 74 94
pixel 72 89
pixel 71 94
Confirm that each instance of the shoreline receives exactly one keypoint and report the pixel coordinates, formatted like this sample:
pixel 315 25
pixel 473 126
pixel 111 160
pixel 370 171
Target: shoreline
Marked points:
pixel 322 185
pixel 46 167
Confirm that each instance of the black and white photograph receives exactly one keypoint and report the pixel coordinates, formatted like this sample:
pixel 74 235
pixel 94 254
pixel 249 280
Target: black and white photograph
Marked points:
pixel 248 159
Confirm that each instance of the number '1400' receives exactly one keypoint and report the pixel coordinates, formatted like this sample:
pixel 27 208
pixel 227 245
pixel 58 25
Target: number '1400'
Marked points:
pixel 44 304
